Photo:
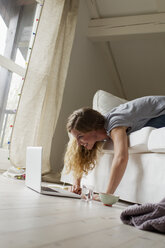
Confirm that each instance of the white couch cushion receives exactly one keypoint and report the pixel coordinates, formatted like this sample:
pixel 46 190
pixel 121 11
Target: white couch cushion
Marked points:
pixel 104 101
pixel 138 141
pixel 156 141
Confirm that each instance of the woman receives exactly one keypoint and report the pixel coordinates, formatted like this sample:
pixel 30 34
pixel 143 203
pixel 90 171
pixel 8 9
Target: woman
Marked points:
pixel 88 127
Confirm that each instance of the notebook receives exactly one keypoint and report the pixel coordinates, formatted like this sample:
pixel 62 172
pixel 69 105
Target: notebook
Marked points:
pixel 34 175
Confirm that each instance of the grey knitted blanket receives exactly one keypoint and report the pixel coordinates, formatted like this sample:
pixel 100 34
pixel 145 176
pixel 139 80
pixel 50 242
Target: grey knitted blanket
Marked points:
pixel 149 216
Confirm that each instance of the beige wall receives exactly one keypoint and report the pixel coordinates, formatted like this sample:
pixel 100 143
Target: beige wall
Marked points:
pixel 88 72
pixel 139 59
pixel 140 62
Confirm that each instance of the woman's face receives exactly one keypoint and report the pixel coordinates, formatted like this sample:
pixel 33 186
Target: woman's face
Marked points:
pixel 85 139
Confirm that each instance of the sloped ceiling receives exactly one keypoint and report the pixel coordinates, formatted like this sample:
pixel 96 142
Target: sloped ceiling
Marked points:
pixel 139 60
pixel 112 8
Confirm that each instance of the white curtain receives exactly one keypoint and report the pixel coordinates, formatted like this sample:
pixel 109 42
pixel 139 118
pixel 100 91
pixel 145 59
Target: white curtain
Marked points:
pixel 44 83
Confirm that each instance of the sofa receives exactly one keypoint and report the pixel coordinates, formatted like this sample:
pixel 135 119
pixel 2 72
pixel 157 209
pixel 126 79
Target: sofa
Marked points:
pixel 144 178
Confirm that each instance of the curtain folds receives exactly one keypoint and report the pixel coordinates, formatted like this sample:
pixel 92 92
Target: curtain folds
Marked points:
pixel 44 83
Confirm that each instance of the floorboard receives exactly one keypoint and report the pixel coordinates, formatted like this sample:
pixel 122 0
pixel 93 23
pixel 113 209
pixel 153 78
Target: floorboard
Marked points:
pixel 31 220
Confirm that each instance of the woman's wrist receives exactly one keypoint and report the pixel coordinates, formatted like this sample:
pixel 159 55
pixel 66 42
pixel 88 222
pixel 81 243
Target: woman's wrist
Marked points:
pixel 77 182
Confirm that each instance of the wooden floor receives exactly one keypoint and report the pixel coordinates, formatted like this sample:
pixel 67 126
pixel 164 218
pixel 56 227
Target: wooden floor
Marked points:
pixel 28 219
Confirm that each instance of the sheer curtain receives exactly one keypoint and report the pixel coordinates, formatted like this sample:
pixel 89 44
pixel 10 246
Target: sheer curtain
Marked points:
pixel 44 83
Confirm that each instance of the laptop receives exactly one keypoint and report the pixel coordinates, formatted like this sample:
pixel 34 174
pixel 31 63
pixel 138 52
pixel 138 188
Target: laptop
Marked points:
pixel 34 175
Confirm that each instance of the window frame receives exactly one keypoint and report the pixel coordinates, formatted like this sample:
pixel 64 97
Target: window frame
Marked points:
pixel 11 66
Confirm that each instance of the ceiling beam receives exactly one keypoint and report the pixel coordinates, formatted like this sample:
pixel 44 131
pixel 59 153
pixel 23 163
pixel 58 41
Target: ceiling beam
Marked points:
pixel 106 29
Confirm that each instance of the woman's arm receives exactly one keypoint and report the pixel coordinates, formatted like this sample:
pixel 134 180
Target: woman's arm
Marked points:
pixel 120 159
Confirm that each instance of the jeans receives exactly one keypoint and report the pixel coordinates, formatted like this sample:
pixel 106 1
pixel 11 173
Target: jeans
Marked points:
pixel 156 122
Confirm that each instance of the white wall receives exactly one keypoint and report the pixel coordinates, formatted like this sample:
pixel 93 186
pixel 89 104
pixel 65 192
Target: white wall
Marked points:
pixel 88 72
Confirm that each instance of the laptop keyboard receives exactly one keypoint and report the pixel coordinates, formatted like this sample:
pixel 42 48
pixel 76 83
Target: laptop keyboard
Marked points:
pixel 49 189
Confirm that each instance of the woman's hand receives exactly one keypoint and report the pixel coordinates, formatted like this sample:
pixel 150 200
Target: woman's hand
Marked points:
pixel 76 189
pixel 76 186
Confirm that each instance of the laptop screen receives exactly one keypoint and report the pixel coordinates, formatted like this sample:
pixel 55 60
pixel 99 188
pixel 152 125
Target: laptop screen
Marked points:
pixel 33 168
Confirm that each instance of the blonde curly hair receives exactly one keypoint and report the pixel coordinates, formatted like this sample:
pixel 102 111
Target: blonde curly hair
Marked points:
pixel 77 158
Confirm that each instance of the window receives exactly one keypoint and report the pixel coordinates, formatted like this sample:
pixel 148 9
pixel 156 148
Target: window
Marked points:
pixel 18 25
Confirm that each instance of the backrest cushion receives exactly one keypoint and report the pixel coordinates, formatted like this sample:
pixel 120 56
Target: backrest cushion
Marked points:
pixel 104 101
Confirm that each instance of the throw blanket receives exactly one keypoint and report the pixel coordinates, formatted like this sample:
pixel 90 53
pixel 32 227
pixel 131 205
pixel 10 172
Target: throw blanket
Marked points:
pixel 149 216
